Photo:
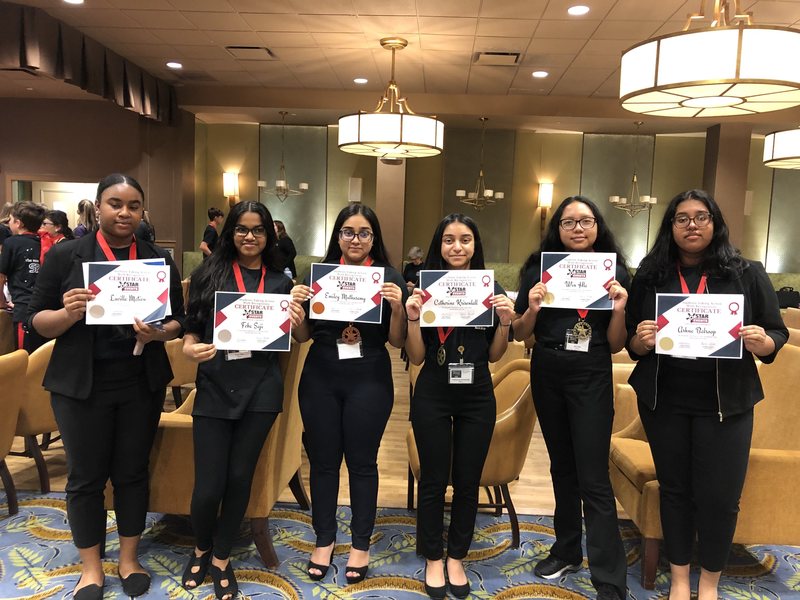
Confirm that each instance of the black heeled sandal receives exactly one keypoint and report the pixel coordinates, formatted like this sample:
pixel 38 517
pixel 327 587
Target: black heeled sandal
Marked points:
pixel 360 574
pixel 323 569
pixel 198 576
pixel 217 575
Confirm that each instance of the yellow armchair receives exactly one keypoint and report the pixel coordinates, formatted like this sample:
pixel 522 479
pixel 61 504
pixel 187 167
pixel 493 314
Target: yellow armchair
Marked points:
pixel 12 374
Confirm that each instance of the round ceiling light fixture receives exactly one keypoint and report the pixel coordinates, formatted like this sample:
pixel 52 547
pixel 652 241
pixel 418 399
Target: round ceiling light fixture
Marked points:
pixel 782 149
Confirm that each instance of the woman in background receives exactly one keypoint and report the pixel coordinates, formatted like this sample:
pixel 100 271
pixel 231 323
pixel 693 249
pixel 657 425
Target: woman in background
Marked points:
pixel 573 392
pixel 453 424
pixel 239 394
pixel 55 229
pixel 698 413
pixel 346 394
pixel 87 218
pixel 286 247
pixel 413 267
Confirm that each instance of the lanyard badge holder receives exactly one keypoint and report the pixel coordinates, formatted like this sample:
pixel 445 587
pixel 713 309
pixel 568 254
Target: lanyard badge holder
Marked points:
pixel 349 345
pixel 579 337
pixel 457 373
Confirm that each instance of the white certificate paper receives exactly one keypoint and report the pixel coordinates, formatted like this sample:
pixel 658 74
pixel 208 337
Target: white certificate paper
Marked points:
pixel 127 289
pixel 578 279
pixel 699 325
pixel 244 321
pixel 457 298
pixel 346 293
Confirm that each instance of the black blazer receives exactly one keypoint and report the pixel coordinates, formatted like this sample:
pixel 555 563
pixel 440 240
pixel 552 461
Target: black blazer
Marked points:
pixel 70 370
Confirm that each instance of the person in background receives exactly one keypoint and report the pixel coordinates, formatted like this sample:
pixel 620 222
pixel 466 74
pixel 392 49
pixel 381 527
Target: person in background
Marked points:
pixel 346 394
pixel 55 229
pixel 5 216
pixel 453 422
pixel 698 412
pixel 145 230
pixel 106 398
pixel 230 426
pixel 573 393
pixel 87 218
pixel 413 267
pixel 210 236
pixel 286 248
pixel 19 266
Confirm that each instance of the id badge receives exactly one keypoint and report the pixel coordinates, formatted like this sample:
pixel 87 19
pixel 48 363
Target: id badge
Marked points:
pixel 575 344
pixel 348 351
pixel 237 354
pixel 460 372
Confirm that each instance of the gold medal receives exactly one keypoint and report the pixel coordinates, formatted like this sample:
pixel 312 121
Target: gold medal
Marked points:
pixel 351 335
pixel 582 330
pixel 441 356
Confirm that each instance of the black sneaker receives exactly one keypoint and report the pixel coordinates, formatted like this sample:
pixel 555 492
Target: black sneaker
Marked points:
pixel 552 567
pixel 606 591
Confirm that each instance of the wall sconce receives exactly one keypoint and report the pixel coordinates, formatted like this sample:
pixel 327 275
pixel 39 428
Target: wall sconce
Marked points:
pixel 545 201
pixel 230 186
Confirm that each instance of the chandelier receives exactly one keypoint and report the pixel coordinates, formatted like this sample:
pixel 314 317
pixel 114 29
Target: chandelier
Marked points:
pixel 782 149
pixel 634 203
pixel 282 190
pixel 730 68
pixel 393 130
pixel 481 196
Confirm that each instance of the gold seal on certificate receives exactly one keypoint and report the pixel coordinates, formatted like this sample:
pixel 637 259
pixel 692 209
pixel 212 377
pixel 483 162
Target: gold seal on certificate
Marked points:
pixel 97 311
pixel 699 325
pixel 252 322
pixel 457 298
pixel 346 293
pixel 666 344
pixel 549 298
pixel 578 279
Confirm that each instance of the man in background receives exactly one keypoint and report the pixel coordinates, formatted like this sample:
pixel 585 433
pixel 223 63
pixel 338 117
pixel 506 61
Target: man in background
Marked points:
pixel 210 235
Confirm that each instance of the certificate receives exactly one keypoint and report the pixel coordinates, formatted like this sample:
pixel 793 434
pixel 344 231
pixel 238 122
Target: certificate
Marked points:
pixel 346 293
pixel 244 321
pixel 578 279
pixel 699 325
pixel 457 298
pixel 127 289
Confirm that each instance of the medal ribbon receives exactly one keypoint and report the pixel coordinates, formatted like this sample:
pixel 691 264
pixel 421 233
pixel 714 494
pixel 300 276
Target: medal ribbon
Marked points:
pixel 701 288
pixel 101 241
pixel 237 274
pixel 444 335
pixel 582 312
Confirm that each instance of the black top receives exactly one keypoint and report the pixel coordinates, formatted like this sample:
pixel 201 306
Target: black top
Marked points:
pixel 288 252
pixel 19 262
pixel 71 371
pixel 552 323
pixel 210 237
pixel 5 233
pixel 227 389
pixel 411 272
pixel 373 336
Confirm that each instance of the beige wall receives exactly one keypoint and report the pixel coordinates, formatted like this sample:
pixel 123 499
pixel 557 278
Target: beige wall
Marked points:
pixel 423 206
pixel 756 223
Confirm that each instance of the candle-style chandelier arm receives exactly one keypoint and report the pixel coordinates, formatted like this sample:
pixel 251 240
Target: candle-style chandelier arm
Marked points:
pixel 482 196
pixel 722 16
pixel 282 191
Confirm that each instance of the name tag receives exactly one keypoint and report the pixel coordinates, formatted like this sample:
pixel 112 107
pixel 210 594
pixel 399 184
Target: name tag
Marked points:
pixel 348 351
pixel 460 372
pixel 575 344
pixel 237 354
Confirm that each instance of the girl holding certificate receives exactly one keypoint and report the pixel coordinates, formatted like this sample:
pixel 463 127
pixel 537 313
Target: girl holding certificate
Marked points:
pixel 572 389
pixel 698 413
pixel 239 393
pixel 346 394
pixel 106 398
pixel 453 421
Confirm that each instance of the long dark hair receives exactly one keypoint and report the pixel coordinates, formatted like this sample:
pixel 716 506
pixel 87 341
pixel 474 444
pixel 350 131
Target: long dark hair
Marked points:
pixel 216 270
pixel 721 259
pixel 281 229
pixel 551 242
pixel 378 250
pixel 434 260
pixel 59 218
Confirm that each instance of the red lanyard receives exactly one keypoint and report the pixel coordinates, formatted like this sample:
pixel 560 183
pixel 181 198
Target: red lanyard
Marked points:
pixel 366 263
pixel 444 335
pixel 237 274
pixel 101 241
pixel 701 288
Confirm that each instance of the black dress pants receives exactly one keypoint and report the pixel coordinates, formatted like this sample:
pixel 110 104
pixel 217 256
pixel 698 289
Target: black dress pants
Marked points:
pixel 573 395
pixel 453 426
pixel 108 435
pixel 226 452
pixel 701 463
pixel 345 406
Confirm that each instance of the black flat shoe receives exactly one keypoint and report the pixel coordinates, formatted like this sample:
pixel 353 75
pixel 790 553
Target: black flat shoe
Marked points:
pixel 223 591
pixel 135 584
pixel 459 591
pixel 89 592
pixel 361 573
pixel 199 576
pixel 438 592
pixel 323 569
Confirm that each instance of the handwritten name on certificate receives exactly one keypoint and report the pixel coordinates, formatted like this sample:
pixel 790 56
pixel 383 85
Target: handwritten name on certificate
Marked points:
pixel 699 325
pixel 127 289
pixel 346 293
pixel 244 321
pixel 459 298
pixel 578 279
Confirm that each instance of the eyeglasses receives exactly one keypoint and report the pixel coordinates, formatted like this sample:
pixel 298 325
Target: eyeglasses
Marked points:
pixel 570 224
pixel 348 235
pixel 242 231
pixel 700 220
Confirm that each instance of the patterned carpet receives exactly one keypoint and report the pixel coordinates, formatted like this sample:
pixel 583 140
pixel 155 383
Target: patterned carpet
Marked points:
pixel 37 560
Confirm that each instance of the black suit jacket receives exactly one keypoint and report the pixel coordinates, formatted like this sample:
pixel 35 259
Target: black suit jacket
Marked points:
pixel 70 370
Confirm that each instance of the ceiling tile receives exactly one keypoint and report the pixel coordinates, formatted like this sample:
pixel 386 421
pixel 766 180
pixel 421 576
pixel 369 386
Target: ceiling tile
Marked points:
pixel 94 17
pixel 133 51
pixel 341 40
pixel 217 64
pixel 297 54
pixel 232 77
pixel 159 19
pixel 533 62
pixel 581 82
pixel 182 36
pixel 259 6
pixel 235 38
pixel 524 80
pixel 609 88
pixel 626 30
pixel 274 22
pixel 386 26
pixel 555 46
pixel 287 40
pixel 580 30
pixel 636 10
pixel 126 36
pixel 447 26
pixel 202 52
pixel 202 5
pixel 448 43
pixel 490 80
pixel 775 12
pixel 613 47
pixel 507 27
pixel 328 7
pixel 501 44
pixel 395 7
pixel 332 23
pixel 590 60
pixel 513 9
pixel 448 8
pixel 446 79
pixel 216 21
pixel 437 57
pixel 141 4
pixel 557 9
pixel 315 75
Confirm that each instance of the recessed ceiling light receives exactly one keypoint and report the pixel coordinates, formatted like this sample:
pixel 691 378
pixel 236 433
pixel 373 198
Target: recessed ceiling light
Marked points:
pixel 540 74
pixel 578 10
pixel 174 65
pixel 28 89
pixel 360 80
pixel 74 1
